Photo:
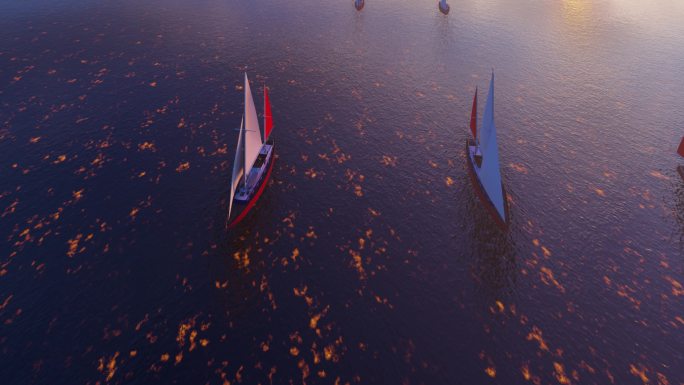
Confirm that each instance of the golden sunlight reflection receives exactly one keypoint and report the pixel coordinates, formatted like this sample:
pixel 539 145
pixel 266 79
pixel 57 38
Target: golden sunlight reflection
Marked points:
pixel 369 258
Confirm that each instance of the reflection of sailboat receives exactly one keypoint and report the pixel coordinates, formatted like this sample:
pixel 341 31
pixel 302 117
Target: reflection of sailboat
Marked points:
pixel 253 158
pixel 680 151
pixel 358 4
pixel 483 161
pixel 443 7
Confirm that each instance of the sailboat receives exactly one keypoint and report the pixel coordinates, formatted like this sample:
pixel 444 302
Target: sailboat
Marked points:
pixel 483 161
pixel 254 158
pixel 443 7
pixel 680 151
pixel 358 4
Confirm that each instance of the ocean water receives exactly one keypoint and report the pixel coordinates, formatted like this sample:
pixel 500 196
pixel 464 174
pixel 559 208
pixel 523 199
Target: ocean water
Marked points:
pixel 369 258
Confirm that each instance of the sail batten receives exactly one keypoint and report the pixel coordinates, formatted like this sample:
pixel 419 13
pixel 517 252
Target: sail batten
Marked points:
pixel 252 133
pixel 268 117
pixel 473 116
pixel 490 172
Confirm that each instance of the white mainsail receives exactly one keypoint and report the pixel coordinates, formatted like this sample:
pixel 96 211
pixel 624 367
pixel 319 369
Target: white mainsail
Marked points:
pixel 490 174
pixel 252 131
pixel 238 168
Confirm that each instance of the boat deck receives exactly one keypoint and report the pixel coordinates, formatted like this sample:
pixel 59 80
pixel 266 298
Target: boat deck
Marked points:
pixel 255 175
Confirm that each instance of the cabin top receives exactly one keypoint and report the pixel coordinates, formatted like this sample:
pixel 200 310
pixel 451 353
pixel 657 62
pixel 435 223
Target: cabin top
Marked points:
pixel 259 160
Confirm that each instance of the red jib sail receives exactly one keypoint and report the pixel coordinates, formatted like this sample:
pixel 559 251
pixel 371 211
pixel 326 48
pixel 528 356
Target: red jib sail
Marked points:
pixel 268 117
pixel 681 148
pixel 473 116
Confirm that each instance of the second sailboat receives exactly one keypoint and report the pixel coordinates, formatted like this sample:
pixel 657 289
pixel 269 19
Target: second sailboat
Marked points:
pixel 254 158
pixel 483 161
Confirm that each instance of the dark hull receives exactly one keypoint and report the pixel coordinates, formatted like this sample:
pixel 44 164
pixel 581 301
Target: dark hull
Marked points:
pixel 252 202
pixel 359 5
pixel 482 195
pixel 443 10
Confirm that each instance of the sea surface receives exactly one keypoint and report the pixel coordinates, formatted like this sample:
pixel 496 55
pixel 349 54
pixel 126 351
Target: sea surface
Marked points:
pixel 369 258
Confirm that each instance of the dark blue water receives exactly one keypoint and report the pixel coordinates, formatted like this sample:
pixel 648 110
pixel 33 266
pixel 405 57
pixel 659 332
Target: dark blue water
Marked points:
pixel 369 258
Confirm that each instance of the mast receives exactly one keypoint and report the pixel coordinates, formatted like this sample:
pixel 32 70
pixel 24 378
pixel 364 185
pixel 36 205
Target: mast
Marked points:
pixel 244 151
pixel 244 144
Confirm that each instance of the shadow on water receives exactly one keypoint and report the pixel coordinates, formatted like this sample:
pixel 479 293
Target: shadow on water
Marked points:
pixel 679 207
pixel 443 28
pixel 492 251
pixel 359 24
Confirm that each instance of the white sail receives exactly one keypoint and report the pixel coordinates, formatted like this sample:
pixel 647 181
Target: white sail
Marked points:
pixel 238 168
pixel 490 173
pixel 252 132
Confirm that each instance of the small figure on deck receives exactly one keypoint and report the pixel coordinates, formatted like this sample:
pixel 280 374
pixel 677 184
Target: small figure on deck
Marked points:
pixel 478 155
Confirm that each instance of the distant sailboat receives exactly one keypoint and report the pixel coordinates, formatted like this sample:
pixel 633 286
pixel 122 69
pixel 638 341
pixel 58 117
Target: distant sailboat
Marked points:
pixel 253 158
pixel 443 7
pixel 358 4
pixel 483 161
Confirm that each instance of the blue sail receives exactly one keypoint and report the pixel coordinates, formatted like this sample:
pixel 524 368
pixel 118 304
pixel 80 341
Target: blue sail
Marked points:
pixel 490 172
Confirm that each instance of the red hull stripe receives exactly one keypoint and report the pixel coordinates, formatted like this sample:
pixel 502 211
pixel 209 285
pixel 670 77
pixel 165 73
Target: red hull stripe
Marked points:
pixel 479 191
pixel 254 199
